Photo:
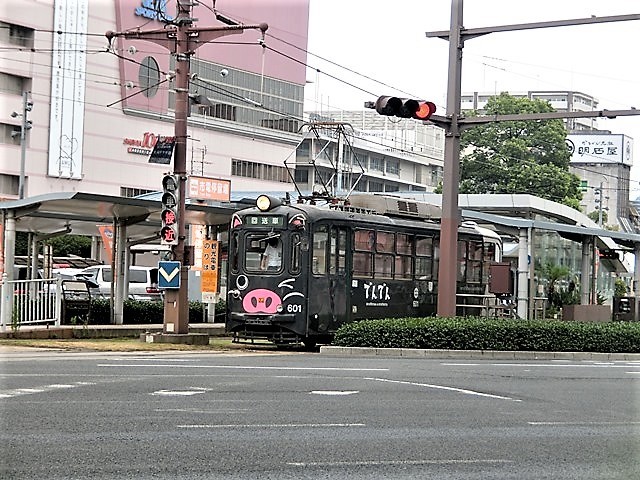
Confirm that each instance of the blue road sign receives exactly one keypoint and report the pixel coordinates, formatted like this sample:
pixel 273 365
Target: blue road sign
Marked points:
pixel 168 274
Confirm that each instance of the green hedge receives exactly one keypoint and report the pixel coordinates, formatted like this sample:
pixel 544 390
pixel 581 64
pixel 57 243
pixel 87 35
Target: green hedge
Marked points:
pixel 470 333
pixel 144 312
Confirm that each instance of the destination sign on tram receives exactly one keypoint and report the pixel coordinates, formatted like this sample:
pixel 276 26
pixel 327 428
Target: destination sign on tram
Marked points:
pixel 264 220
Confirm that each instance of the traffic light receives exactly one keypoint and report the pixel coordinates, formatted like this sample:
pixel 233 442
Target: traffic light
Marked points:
pixel 169 212
pixel 405 107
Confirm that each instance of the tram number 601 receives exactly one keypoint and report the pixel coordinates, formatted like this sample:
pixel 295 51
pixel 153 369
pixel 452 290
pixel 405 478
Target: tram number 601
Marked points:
pixel 294 308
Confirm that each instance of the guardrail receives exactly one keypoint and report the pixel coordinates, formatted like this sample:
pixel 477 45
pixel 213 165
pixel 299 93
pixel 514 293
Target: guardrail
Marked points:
pixel 30 302
pixel 488 306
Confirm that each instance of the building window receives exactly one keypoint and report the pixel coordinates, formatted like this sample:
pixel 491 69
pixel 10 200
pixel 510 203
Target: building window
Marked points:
pixel 149 76
pixel 16 34
pixel 393 167
pixel 375 186
pixel 10 134
pixel 11 83
pixel 130 192
pixel 273 173
pixel 9 184
pixel 302 175
pixel 376 163
pixel 219 110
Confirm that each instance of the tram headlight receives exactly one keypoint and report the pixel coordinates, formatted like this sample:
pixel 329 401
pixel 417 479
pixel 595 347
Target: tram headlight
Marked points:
pixel 279 308
pixel 265 203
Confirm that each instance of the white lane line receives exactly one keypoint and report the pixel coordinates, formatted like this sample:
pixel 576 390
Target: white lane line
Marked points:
pixel 43 389
pixel 541 365
pixel 237 367
pixel 181 393
pixel 444 387
pixel 581 424
pixel 276 425
pixel 378 463
pixel 334 392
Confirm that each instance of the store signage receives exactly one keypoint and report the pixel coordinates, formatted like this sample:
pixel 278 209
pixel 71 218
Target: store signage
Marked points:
pixel 154 10
pixel 163 150
pixel 600 148
pixel 203 188
pixel 145 145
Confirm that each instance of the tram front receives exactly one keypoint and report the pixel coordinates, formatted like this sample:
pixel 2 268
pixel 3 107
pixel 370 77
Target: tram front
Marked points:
pixel 267 296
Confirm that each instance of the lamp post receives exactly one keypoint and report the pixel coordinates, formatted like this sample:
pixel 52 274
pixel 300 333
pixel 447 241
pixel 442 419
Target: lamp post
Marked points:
pixel 27 105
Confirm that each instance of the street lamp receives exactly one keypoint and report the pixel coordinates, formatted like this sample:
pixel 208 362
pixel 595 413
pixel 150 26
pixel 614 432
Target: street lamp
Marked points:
pixel 27 105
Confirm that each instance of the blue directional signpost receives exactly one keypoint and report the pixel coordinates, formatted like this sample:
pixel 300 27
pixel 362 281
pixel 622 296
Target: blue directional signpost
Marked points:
pixel 169 275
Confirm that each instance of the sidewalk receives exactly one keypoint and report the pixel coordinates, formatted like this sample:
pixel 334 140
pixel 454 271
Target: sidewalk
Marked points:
pixel 103 331
pixel 475 354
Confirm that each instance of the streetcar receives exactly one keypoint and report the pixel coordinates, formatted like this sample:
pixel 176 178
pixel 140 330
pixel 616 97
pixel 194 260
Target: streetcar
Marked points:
pixel 298 271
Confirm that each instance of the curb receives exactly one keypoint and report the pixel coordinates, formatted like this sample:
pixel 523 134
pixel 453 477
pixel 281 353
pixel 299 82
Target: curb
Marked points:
pixel 473 354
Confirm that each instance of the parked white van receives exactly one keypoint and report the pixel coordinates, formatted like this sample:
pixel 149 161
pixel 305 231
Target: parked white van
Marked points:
pixel 143 281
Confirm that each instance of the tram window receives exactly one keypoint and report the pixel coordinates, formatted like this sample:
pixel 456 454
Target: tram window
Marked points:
pixel 363 265
pixel 424 246
pixel 365 240
pixel 320 241
pixel 385 242
pixel 425 258
pixel 384 266
pixel 403 266
pixel 333 251
pixel 403 244
pixel 233 252
pixel 295 253
pixel 424 268
pixel 342 251
pixel 462 260
pixel 474 262
pixel 255 246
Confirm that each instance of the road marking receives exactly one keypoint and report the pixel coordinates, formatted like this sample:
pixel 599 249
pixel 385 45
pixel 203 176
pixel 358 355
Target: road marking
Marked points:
pixel 542 365
pixel 236 367
pixel 277 425
pixel 333 392
pixel 46 388
pixel 581 424
pixel 377 463
pixel 444 387
pixel 183 393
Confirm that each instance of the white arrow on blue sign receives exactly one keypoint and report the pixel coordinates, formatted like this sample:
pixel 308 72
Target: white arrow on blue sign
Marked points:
pixel 168 274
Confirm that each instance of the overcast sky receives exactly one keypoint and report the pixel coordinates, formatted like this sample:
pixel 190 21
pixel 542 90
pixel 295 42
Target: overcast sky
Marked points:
pixel 386 41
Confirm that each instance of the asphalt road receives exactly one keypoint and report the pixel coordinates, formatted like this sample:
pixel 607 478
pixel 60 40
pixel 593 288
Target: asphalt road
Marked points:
pixel 295 416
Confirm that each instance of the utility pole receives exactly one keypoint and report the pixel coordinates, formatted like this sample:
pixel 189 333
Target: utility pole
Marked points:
pixel 454 123
pixel 181 38
pixel 27 105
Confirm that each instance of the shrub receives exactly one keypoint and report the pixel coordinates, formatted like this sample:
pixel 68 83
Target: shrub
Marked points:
pixel 137 312
pixel 472 333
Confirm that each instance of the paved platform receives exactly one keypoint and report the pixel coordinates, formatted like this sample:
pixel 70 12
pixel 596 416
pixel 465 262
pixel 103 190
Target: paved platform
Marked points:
pixel 104 331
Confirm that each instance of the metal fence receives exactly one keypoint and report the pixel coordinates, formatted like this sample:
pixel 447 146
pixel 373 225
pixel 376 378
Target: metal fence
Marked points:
pixel 30 302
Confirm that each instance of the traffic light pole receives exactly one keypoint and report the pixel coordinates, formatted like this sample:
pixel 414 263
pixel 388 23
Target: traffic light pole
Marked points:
pixel 453 124
pixel 181 39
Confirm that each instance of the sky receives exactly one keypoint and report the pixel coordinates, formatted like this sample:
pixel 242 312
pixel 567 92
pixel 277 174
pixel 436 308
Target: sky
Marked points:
pixel 385 41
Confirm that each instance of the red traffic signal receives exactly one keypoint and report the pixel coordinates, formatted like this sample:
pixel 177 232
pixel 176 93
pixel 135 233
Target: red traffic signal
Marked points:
pixel 405 107
pixel 169 213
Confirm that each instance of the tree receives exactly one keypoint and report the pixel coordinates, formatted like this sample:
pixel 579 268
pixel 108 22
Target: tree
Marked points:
pixel 519 156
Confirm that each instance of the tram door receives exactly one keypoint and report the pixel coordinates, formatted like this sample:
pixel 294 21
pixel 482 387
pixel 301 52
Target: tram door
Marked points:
pixel 329 287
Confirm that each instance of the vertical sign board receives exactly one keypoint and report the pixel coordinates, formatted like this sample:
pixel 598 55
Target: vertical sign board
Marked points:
pixel 209 280
pixel 68 69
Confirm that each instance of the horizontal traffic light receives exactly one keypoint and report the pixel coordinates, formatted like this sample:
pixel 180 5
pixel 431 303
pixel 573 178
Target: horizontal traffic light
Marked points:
pixel 405 107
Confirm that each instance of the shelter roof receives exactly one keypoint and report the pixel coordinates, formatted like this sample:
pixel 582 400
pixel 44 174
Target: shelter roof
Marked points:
pixel 81 212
